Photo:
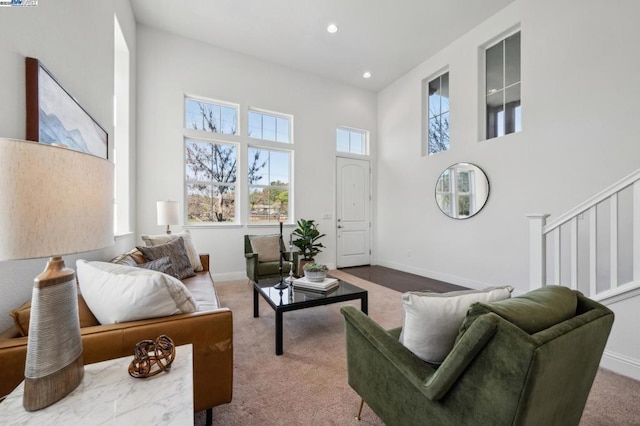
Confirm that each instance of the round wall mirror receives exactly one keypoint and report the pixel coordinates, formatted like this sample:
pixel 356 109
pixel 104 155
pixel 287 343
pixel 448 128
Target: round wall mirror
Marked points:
pixel 462 190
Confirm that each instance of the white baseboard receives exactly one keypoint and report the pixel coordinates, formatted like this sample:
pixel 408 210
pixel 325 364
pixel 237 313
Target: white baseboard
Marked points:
pixel 621 364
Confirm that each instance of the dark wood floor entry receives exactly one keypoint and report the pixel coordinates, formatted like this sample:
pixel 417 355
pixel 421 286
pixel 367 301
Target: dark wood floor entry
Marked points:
pixel 400 281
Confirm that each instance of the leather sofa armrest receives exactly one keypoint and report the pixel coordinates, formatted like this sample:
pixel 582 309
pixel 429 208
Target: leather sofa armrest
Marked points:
pixel 204 259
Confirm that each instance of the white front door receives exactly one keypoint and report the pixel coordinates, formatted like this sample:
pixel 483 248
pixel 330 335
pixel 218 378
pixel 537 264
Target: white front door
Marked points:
pixel 353 217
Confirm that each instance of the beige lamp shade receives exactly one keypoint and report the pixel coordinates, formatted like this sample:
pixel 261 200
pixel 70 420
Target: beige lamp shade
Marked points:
pixel 53 201
pixel 168 213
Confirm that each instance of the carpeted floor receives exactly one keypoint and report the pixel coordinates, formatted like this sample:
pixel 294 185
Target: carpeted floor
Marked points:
pixel 308 385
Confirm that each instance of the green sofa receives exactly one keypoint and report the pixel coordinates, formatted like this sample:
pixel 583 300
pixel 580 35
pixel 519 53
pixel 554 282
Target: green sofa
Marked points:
pixel 528 360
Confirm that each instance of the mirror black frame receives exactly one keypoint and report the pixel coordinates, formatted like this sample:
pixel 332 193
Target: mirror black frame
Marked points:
pixel 474 208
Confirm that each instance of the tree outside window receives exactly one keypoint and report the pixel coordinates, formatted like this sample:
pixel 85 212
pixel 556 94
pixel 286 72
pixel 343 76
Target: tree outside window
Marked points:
pixel 269 177
pixel 437 96
pixel 211 174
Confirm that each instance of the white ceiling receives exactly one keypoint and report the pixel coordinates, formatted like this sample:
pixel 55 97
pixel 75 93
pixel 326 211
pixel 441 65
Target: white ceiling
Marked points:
pixel 385 37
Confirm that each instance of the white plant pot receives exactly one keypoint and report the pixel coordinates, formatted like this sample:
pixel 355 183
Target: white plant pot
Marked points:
pixel 315 276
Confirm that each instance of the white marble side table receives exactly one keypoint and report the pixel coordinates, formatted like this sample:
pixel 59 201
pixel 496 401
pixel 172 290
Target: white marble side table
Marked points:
pixel 109 396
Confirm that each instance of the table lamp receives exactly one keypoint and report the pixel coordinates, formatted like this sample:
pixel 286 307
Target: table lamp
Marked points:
pixel 168 214
pixel 53 201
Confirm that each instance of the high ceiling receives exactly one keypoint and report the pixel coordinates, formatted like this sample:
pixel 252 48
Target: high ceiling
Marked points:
pixel 384 37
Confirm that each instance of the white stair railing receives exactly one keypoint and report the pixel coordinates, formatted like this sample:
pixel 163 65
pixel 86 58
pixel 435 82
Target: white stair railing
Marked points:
pixel 540 232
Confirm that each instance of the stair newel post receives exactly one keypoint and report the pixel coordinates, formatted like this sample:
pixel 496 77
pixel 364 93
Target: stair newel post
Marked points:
pixel 537 251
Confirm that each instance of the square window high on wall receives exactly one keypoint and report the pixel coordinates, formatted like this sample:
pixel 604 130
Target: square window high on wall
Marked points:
pixel 502 87
pixel 435 114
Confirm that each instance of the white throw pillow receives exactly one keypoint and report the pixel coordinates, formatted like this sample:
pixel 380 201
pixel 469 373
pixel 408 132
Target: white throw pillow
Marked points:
pixel 432 320
pixel 192 253
pixel 119 293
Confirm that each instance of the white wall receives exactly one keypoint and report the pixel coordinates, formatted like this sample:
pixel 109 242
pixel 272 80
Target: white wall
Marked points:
pixel 74 40
pixel 170 66
pixel 580 106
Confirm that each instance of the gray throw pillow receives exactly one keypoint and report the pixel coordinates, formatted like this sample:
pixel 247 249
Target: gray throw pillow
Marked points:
pixel 176 251
pixel 161 265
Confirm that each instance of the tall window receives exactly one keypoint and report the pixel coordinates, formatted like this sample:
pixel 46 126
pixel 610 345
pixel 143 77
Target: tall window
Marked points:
pixel 351 141
pixel 269 177
pixel 211 165
pixel 211 172
pixel 122 223
pixel 437 126
pixel 503 87
pixel 269 126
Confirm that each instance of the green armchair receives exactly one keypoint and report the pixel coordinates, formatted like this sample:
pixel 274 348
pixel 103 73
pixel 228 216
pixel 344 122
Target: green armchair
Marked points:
pixel 262 257
pixel 529 360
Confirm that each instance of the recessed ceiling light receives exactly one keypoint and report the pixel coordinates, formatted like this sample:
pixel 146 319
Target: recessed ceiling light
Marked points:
pixel 367 74
pixel 332 28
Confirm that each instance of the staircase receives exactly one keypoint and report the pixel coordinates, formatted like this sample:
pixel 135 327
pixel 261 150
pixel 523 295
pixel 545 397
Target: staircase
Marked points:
pixel 593 248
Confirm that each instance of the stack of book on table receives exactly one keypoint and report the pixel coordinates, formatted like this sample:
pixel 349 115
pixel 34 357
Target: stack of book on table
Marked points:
pixel 325 285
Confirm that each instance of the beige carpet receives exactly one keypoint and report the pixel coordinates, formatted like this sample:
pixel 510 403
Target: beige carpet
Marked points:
pixel 308 383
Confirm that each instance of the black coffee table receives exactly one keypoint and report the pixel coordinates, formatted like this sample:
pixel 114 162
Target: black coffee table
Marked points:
pixel 299 298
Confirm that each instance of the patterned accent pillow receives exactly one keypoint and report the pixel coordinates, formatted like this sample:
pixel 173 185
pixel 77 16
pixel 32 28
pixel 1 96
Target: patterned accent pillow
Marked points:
pixel 267 247
pixel 194 257
pixel 161 265
pixel 176 252
pixel 130 258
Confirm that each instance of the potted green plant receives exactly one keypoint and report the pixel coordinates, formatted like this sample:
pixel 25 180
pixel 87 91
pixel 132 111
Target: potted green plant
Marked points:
pixel 307 236
pixel 315 272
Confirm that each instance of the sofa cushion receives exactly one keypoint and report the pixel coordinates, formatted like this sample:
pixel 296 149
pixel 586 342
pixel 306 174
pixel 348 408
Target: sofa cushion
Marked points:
pixel 175 250
pixel 201 288
pixel 267 247
pixel 21 318
pixel 192 253
pixel 532 312
pixel 432 320
pixel 119 293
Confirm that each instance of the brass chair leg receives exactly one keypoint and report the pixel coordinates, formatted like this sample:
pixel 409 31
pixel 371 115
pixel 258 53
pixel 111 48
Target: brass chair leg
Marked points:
pixel 358 417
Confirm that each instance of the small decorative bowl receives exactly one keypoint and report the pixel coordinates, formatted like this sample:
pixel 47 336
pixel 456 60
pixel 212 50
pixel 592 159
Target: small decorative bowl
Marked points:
pixel 315 276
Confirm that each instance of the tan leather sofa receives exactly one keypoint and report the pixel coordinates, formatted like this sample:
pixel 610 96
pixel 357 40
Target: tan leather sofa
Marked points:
pixel 210 332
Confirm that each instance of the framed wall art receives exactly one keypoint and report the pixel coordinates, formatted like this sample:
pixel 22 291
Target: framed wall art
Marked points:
pixel 55 117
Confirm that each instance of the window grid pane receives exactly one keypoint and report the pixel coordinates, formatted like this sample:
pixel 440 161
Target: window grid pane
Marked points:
pixel 503 108
pixel 211 173
pixel 269 127
pixel 351 141
pixel 210 117
pixel 438 107
pixel 269 177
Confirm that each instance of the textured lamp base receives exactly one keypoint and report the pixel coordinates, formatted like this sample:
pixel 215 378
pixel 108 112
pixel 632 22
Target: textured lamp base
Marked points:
pixel 44 391
pixel 54 365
